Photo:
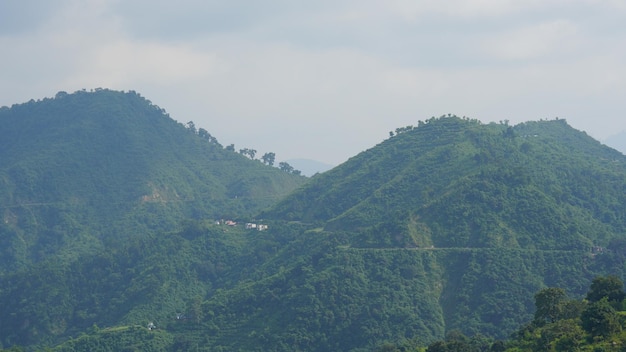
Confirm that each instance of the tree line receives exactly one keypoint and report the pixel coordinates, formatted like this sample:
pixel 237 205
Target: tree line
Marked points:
pixel 268 158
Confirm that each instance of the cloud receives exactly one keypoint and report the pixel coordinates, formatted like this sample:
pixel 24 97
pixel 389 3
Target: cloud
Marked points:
pixel 412 10
pixel 21 16
pixel 121 62
pixel 544 40
pixel 84 46
pixel 327 79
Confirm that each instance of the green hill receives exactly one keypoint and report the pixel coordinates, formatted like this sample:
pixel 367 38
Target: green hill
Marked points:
pixel 453 182
pixel 85 168
pixel 85 176
pixel 450 225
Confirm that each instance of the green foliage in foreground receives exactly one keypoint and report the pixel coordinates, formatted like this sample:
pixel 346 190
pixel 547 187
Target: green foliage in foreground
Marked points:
pixel 560 324
pixel 581 325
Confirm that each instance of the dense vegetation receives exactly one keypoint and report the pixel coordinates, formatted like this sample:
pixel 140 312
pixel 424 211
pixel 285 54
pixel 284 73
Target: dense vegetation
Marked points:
pixel 245 290
pixel 87 181
pixel 595 323
pixel 445 229
pixel 458 183
pixel 85 168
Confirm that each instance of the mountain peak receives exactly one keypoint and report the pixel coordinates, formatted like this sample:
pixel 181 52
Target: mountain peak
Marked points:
pixel 468 184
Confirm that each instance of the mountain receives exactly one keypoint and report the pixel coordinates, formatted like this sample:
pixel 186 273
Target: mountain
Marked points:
pixel 85 168
pixel 618 142
pixel 309 167
pixel 459 183
pixel 85 175
pixel 448 225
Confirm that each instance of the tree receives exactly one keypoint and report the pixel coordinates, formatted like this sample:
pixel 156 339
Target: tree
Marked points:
pixel 206 135
pixel 609 286
pixel 498 346
pixel 549 305
pixel 600 319
pixel 451 346
pixel 285 166
pixel 564 335
pixel 456 341
pixel 571 309
pixel 268 158
pixel 191 126
pixel 230 147
pixel 195 308
pixel 403 129
pixel 570 336
pixel 248 152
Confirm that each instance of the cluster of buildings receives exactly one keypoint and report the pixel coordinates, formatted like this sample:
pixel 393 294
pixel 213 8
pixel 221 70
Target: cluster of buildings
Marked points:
pixel 249 225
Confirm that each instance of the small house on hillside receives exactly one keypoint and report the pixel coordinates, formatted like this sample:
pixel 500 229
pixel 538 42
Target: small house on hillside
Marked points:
pixel 251 226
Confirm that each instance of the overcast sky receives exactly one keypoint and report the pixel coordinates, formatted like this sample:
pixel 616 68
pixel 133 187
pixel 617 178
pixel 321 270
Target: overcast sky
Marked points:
pixel 325 80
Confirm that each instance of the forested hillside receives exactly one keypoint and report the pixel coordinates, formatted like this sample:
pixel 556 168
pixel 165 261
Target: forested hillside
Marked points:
pixel 84 174
pixel 560 323
pixel 457 183
pixel 450 225
pixel 83 168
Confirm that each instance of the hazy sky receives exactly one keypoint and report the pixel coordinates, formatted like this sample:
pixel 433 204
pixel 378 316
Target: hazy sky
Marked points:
pixel 322 79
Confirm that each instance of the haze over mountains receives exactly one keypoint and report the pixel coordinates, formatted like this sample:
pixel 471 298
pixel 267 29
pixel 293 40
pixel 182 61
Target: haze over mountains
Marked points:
pixel 617 141
pixel 115 218
pixel 309 167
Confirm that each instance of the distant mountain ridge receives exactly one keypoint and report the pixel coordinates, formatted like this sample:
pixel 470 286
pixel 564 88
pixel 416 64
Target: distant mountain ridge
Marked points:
pixel 309 167
pixel 617 141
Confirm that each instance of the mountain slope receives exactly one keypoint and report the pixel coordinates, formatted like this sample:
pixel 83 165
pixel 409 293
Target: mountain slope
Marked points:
pixel 87 167
pixel 453 182
pixel 450 225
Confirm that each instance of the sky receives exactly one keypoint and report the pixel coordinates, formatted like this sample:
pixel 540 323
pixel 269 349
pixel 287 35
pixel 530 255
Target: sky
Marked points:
pixel 325 80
